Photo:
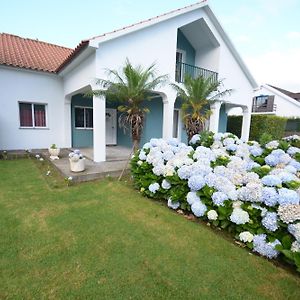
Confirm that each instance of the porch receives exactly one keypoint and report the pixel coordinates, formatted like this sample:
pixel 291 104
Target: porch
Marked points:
pixel 116 159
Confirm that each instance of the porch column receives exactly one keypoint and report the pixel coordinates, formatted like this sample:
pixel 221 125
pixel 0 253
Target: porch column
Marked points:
pixel 99 131
pixel 168 113
pixel 67 134
pixel 215 116
pixel 246 124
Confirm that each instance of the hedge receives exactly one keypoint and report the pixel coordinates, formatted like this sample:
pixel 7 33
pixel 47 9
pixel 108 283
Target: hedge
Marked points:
pixel 260 124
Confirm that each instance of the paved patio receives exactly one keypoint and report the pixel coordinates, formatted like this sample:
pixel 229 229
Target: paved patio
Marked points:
pixel 117 157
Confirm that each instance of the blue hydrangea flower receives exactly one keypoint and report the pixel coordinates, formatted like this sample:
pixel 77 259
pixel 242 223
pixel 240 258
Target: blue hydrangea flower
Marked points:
pixel 269 196
pixel 142 155
pixel 165 184
pixel 154 187
pixel 269 221
pixel 290 169
pixel 173 142
pixel 295 164
pixel 294 229
pixel 271 180
pixel 287 196
pixel 218 198
pixel 272 160
pixel 184 172
pixel 293 150
pixel 198 209
pixel 192 197
pixel 231 147
pixel 173 205
pixel 251 164
pixel 255 150
pixel 264 248
pixel 196 183
pixel 286 176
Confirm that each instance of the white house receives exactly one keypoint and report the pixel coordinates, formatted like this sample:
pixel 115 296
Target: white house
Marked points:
pixel 42 85
pixel 276 101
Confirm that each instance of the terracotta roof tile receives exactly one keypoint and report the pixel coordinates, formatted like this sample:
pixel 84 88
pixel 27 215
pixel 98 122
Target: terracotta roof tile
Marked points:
pixel 31 54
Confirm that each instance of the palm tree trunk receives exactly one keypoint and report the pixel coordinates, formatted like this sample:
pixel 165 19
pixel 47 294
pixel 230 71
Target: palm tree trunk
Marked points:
pixel 193 126
pixel 136 131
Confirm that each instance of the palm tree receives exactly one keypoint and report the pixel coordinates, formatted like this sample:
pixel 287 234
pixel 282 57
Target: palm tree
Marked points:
pixel 196 94
pixel 130 88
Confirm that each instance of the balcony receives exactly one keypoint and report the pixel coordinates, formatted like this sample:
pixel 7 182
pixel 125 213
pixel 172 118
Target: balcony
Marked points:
pixel 263 104
pixel 264 108
pixel 182 69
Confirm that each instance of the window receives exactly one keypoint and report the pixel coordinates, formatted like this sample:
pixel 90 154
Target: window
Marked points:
pixel 84 117
pixel 262 100
pixel 32 115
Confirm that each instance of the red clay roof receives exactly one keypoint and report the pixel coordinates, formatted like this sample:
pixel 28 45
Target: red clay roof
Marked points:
pixel 31 54
pixel 41 56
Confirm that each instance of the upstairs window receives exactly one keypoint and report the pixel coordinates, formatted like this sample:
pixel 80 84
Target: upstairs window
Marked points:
pixel 32 115
pixel 83 117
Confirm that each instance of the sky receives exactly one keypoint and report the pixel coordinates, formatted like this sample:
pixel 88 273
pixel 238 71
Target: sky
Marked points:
pixel 266 33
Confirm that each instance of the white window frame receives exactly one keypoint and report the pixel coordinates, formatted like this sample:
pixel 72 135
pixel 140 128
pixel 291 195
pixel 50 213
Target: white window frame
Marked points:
pixel 179 125
pixel 84 117
pixel 32 114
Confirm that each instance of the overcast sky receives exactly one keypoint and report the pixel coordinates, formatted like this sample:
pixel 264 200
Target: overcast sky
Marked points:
pixel 265 32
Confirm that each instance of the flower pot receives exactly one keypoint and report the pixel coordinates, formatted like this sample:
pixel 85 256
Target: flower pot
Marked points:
pixel 54 152
pixel 77 166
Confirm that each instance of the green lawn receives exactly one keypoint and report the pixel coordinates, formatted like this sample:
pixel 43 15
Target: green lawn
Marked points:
pixel 102 240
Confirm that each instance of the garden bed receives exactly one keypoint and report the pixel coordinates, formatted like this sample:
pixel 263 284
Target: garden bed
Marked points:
pixel 251 190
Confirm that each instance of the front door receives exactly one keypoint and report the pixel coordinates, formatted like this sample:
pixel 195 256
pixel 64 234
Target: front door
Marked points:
pixel 111 126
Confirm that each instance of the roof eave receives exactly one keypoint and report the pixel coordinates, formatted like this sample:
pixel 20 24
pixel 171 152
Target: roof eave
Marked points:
pixel 231 47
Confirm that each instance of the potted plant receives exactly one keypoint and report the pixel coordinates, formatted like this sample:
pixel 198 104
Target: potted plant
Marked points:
pixel 54 152
pixel 76 161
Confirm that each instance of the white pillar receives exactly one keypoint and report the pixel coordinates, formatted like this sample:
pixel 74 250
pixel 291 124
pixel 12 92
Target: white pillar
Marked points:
pixel 215 116
pixel 99 131
pixel 246 124
pixel 67 133
pixel 168 114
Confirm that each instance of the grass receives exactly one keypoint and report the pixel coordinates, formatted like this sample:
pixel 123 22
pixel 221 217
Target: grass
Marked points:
pixel 102 240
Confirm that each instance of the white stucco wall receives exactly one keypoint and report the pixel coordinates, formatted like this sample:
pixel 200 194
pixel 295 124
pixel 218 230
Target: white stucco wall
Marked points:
pixel 284 107
pixel 158 44
pixel 30 86
pixel 81 75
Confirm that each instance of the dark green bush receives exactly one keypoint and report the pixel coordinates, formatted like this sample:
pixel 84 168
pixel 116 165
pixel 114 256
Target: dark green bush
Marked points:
pixel 234 125
pixel 260 124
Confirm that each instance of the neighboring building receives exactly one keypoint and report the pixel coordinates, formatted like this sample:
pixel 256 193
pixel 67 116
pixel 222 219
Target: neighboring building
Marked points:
pixel 270 99
pixel 42 85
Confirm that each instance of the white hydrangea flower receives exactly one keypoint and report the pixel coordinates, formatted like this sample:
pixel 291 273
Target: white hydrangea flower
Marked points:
pixel 295 246
pixel 212 215
pixel 246 237
pixel 289 213
pixel 272 145
pixel 239 216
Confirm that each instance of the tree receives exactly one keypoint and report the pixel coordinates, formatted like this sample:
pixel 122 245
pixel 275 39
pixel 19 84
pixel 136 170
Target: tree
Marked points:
pixel 196 95
pixel 130 88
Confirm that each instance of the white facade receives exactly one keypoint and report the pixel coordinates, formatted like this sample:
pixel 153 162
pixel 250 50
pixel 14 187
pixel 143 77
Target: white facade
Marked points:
pixel 284 106
pixel 19 85
pixel 152 41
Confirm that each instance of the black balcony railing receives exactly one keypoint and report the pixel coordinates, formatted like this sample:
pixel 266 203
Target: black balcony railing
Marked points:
pixel 264 108
pixel 182 69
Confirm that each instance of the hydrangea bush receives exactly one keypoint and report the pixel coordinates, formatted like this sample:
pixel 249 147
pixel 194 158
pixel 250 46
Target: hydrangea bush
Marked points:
pixel 253 191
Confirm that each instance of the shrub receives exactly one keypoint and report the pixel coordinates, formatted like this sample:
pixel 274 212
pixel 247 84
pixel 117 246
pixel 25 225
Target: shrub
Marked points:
pixel 234 125
pixel 246 188
pixel 273 125
pixel 260 124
